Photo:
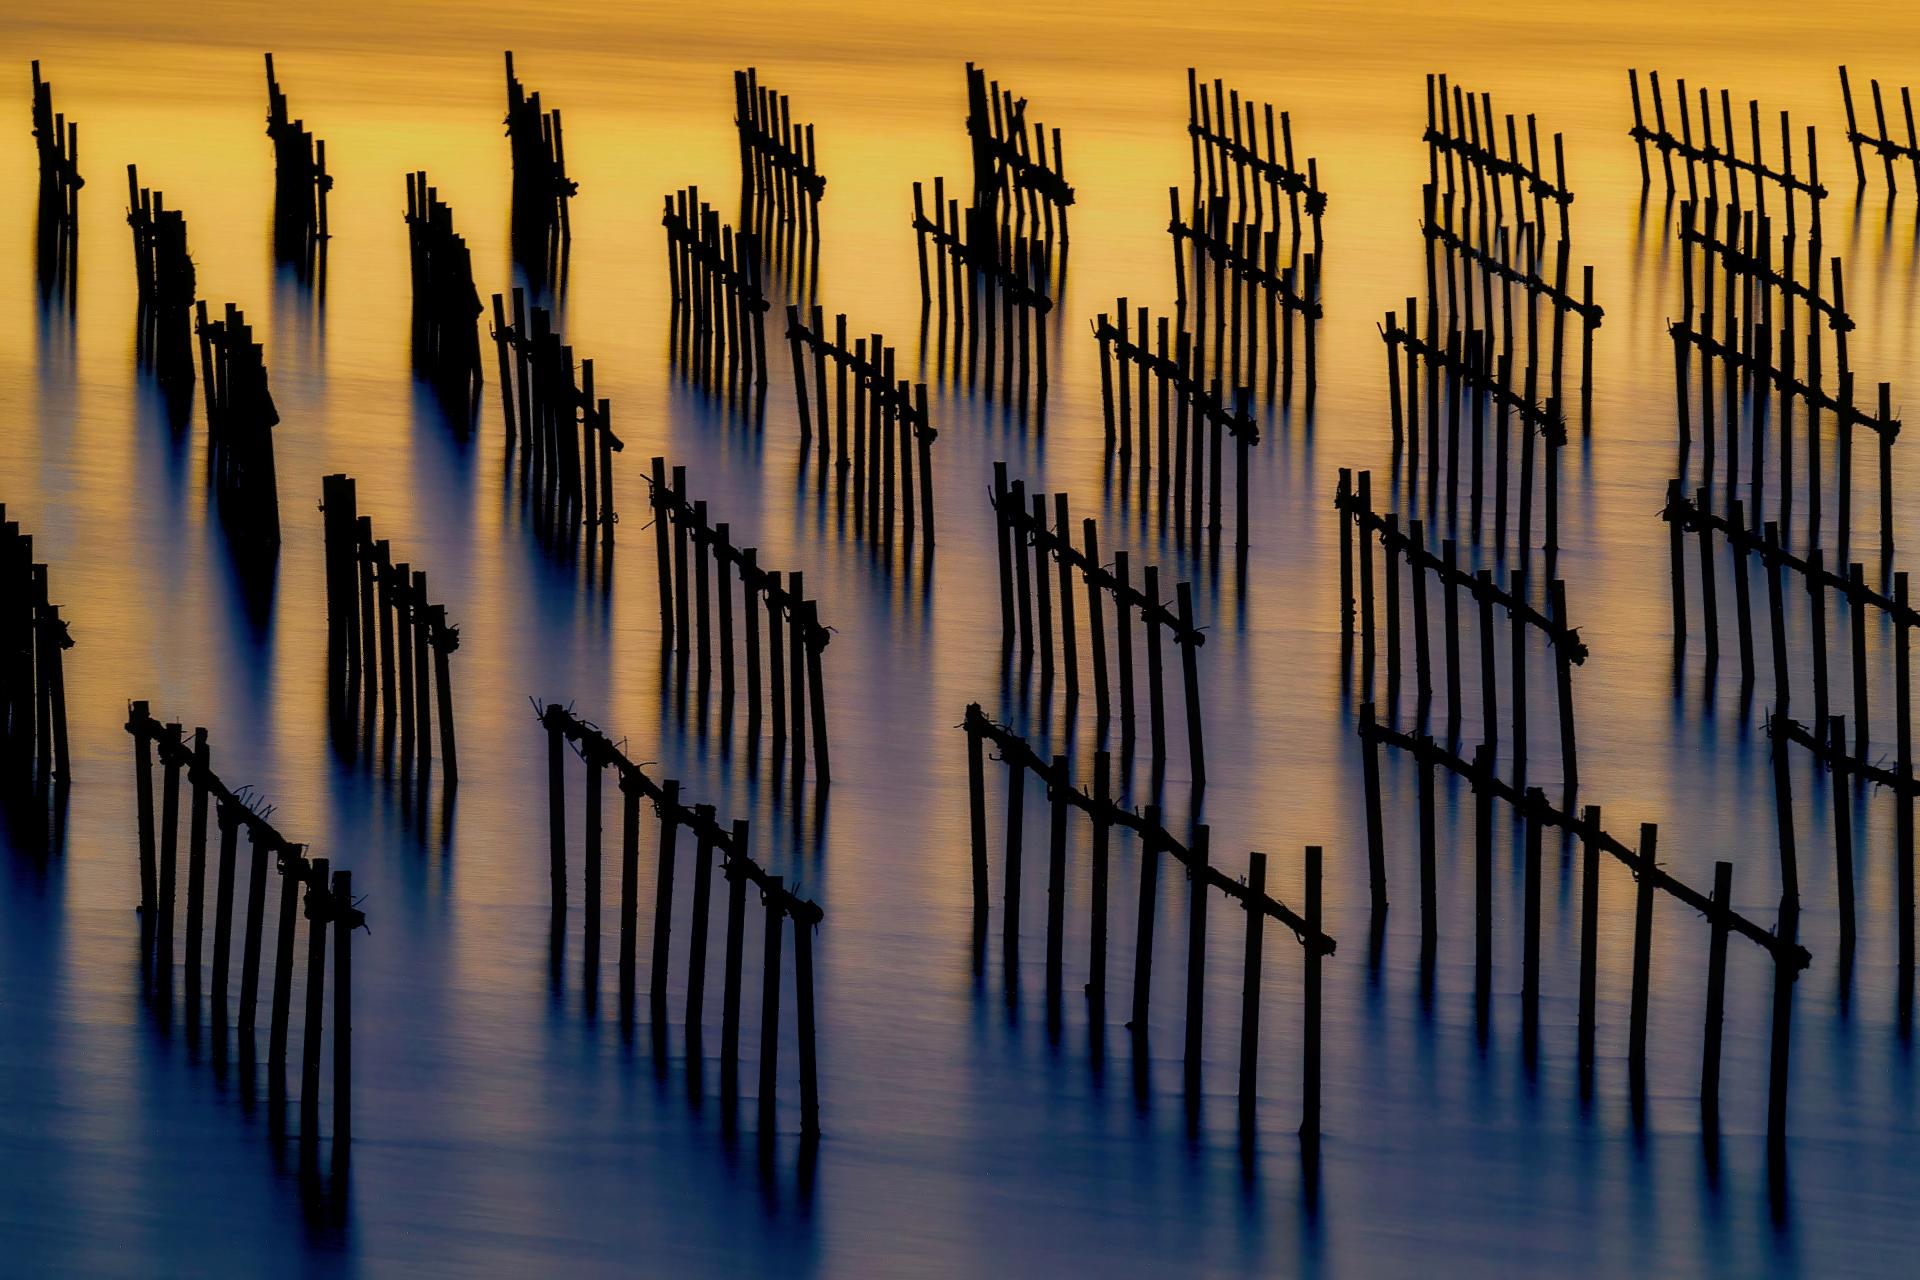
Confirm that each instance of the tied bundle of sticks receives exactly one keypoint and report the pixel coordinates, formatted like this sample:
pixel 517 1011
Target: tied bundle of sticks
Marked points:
pixel 240 421
pixel 718 331
pixel 542 227
pixel 164 275
pixel 33 682
pixel 565 429
pixel 301 180
pixel 446 341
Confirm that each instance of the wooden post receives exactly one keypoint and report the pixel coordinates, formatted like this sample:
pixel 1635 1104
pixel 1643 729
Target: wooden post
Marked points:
pixel 1058 783
pixel 291 867
pixel 1143 931
pixel 1857 624
pixel 629 885
pixel 1838 764
pixel 1779 1040
pixel 1483 782
pixel 1416 571
pixel 798 645
pixel 1590 836
pixel 317 919
pixel 1903 765
pixel 735 869
pixel 1781 690
pixel 1562 645
pixel 169 850
pixel 196 877
pixel 1016 821
pixel 977 813
pixel 229 820
pixel 703 832
pixel 1376 839
pixel 1197 874
pixel 1716 994
pixel 1097 947
pixel 663 900
pixel 1189 670
pixel 1096 616
pixel 1536 804
pixel 1677 557
pixel 1310 1003
pixel 1517 646
pixel 1254 903
pixel 803 1012
pixel 140 720
pixel 443 686
pixel 1709 605
pixel 1642 947
pixel 774 897
pixel 556 811
pixel 260 860
pixel 1069 645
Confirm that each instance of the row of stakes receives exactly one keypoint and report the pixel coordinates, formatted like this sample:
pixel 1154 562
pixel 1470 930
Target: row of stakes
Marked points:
pixel 1025 180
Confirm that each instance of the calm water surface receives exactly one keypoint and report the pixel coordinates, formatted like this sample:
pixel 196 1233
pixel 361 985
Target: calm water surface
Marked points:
pixel 502 1127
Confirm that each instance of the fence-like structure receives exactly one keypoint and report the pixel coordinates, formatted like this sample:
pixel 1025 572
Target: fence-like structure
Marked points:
pixel 446 302
pixel 1882 142
pixel 1454 138
pixel 1235 164
pixel 378 607
pixel 776 154
pixel 686 548
pixel 1531 806
pixel 564 430
pixel 730 844
pixel 1007 169
pixel 33 682
pixel 1105 816
pixel 1025 544
pixel 891 434
pixel 542 223
pixel 164 278
pixel 301 180
pixel 718 326
pixel 1361 525
pixel 56 142
pixel 240 421
pixel 1240 275
pixel 273 859
pixel 1706 156
pixel 1190 414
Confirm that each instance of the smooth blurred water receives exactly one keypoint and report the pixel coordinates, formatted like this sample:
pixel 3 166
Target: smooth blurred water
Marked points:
pixel 500 1127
